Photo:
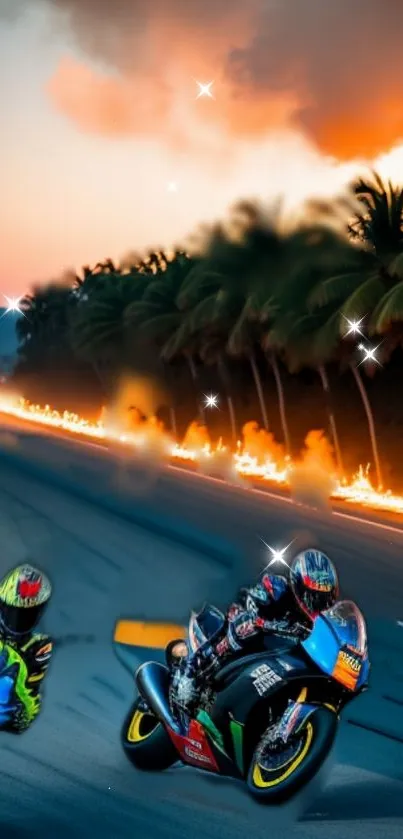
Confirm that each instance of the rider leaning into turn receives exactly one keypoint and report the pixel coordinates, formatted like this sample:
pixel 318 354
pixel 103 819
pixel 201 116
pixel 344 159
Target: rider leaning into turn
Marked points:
pixel 24 654
pixel 274 603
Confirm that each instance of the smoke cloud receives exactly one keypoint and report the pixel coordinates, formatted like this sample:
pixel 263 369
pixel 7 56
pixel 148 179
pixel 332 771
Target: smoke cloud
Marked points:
pixel 330 70
pixel 312 478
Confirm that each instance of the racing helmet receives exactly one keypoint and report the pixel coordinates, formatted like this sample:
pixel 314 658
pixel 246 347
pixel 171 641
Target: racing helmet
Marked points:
pixel 314 582
pixel 24 594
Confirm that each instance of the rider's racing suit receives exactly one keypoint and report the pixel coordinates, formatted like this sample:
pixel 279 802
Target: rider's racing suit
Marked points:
pixel 266 607
pixel 29 659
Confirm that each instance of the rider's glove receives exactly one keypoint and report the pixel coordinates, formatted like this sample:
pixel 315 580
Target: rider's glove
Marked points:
pixel 273 626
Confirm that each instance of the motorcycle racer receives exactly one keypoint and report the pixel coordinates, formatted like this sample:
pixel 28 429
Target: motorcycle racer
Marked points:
pixel 275 603
pixel 24 654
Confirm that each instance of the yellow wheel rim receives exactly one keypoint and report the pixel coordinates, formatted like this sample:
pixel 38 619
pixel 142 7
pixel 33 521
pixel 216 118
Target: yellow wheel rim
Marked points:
pixel 135 733
pixel 258 779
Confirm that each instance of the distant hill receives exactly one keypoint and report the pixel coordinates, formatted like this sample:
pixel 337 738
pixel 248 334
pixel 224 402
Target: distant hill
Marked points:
pixel 8 338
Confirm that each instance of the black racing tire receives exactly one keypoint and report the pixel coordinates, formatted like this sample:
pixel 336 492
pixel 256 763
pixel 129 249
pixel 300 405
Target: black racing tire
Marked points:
pixel 145 742
pixel 317 736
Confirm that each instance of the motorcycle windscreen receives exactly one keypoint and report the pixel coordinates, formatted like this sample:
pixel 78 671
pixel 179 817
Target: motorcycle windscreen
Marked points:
pixel 338 644
pixel 204 626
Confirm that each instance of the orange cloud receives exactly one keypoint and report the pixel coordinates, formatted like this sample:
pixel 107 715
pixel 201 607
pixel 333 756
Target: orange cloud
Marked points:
pixel 328 69
pixel 109 105
pixel 123 105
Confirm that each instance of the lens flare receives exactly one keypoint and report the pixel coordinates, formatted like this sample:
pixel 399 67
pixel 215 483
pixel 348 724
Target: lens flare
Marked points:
pixel 13 305
pixel 369 354
pixel 354 327
pixel 277 554
pixel 205 89
pixel 211 400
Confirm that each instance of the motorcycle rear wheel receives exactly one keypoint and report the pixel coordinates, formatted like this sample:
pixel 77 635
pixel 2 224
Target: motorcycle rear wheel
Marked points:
pixel 316 738
pixel 145 742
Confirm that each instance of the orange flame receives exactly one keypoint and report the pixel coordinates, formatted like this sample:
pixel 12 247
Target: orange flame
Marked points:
pixel 257 457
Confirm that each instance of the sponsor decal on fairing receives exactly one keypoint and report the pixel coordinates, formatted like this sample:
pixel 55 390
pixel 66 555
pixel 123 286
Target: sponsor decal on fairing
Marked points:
pixel 264 678
pixel 197 756
pixel 352 661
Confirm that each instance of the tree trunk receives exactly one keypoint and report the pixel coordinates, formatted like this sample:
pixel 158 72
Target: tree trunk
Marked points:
pixel 171 404
pixel 223 372
pixel 281 401
pixel 326 387
pixel 259 390
pixel 193 373
pixel 371 423
pixel 231 411
pixel 174 425
pixel 103 378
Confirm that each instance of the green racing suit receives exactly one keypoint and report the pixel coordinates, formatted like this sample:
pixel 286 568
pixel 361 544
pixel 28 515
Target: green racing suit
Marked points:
pixel 25 661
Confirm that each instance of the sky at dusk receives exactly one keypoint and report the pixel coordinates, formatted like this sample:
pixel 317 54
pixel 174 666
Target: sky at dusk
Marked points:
pixel 99 115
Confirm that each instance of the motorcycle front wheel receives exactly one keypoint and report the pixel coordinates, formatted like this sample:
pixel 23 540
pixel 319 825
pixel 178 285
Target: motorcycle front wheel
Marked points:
pixel 277 775
pixel 145 742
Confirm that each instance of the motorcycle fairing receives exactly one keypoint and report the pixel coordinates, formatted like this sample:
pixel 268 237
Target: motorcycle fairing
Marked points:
pixel 237 695
pixel 328 648
pixel 200 749
pixel 194 748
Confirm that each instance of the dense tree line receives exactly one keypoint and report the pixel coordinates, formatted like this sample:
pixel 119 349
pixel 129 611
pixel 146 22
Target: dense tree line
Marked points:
pixel 258 296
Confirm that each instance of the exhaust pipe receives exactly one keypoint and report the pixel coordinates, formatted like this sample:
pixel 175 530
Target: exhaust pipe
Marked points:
pixel 152 680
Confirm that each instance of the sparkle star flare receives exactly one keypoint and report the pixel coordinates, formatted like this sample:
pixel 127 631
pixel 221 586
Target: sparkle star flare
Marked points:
pixel 277 555
pixel 205 90
pixel 13 305
pixel 354 327
pixel 211 401
pixel 369 354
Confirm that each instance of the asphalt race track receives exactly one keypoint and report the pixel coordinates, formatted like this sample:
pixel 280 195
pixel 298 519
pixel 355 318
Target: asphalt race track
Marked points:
pixel 67 776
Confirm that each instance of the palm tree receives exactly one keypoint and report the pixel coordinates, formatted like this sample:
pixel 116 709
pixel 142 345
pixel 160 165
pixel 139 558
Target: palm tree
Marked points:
pixel 227 283
pixel 157 313
pixel 371 423
pixel 243 341
pixel 202 332
pixel 372 284
pixel 308 341
pixel 290 264
pixel 225 311
pixel 43 327
pixel 98 333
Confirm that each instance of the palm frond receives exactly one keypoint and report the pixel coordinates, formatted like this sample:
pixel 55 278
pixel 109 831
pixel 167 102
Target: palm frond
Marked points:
pixel 388 311
pixel 334 289
pixel 364 298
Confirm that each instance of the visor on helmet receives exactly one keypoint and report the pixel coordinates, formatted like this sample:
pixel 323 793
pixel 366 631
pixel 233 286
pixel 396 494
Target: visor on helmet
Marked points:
pixel 21 621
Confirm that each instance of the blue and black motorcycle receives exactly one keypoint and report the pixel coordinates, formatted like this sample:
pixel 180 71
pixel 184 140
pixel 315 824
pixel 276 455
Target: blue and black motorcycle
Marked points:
pixel 269 718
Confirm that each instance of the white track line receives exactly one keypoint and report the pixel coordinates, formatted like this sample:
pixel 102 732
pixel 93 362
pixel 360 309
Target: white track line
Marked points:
pixel 264 493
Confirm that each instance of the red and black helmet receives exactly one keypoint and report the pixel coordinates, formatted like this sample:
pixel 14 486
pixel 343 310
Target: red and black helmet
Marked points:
pixel 314 582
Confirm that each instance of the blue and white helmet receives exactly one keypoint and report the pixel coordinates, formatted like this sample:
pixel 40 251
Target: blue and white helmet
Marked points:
pixel 314 582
